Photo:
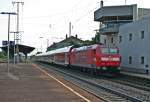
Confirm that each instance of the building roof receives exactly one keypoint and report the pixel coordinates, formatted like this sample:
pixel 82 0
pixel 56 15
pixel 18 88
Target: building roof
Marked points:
pixel 118 13
pixel 66 42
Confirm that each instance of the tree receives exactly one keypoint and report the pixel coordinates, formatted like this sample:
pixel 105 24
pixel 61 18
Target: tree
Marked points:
pixel 2 55
pixel 96 39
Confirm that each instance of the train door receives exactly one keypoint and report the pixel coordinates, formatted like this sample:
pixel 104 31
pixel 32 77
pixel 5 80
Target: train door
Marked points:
pixel 71 56
pixel 93 57
pixel 66 58
pixel 89 56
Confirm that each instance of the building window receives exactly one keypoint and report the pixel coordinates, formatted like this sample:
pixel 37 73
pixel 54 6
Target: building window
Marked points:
pixel 130 60
pixel 142 34
pixel 120 59
pixel 120 39
pixel 142 60
pixel 112 40
pixel 105 41
pixel 130 37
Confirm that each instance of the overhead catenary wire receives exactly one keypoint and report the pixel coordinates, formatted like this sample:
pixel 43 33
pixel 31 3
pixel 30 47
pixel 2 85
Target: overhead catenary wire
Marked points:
pixel 54 19
pixel 61 13
pixel 56 14
pixel 63 17
pixel 81 17
pixel 76 20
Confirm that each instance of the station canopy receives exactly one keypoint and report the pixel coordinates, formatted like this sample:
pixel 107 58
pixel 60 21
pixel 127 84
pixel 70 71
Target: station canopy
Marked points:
pixel 22 48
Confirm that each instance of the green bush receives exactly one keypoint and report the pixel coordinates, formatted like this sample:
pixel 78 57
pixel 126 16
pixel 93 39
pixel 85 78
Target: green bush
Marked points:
pixel 2 55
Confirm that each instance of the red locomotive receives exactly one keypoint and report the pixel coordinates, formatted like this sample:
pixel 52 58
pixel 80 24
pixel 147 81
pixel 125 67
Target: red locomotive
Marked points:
pixel 94 58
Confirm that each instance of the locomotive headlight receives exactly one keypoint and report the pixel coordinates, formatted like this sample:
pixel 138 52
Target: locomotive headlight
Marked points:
pixel 116 59
pixel 104 68
pixel 104 59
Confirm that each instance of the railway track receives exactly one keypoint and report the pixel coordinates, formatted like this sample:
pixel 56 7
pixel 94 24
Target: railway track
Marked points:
pixel 131 91
pixel 139 83
pixel 104 89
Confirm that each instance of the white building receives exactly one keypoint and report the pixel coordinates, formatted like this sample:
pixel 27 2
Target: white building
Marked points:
pixel 127 27
pixel 134 44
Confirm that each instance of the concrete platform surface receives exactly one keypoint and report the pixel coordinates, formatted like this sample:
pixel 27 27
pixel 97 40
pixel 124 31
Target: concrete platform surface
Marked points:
pixel 25 83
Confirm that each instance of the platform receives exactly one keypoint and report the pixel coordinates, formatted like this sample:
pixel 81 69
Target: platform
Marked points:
pixel 140 75
pixel 25 83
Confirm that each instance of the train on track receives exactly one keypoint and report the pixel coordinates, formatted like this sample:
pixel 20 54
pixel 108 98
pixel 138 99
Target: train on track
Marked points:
pixel 97 59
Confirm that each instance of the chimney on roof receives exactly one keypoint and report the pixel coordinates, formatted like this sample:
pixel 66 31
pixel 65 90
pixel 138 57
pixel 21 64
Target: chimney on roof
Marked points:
pixel 76 36
pixel 66 36
pixel 102 3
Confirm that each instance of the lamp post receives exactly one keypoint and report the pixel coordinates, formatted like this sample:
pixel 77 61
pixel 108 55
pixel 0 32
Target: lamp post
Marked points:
pixel 8 43
pixel 41 42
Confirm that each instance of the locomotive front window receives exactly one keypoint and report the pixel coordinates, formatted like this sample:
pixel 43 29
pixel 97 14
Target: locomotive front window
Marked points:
pixel 109 51
pixel 105 51
pixel 113 51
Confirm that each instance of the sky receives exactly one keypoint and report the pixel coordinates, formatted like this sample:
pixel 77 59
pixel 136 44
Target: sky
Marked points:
pixel 43 22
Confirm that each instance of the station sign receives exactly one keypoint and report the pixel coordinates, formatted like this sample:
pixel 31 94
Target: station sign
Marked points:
pixel 4 43
pixel 12 42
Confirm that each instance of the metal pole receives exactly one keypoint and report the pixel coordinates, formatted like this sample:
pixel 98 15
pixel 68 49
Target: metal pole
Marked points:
pixel 70 29
pixel 14 48
pixel 14 45
pixel 41 43
pixel 17 34
pixel 18 23
pixel 47 43
pixel 8 43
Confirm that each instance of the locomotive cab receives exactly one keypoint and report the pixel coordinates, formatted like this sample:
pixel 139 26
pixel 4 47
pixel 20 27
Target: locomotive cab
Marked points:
pixel 108 59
